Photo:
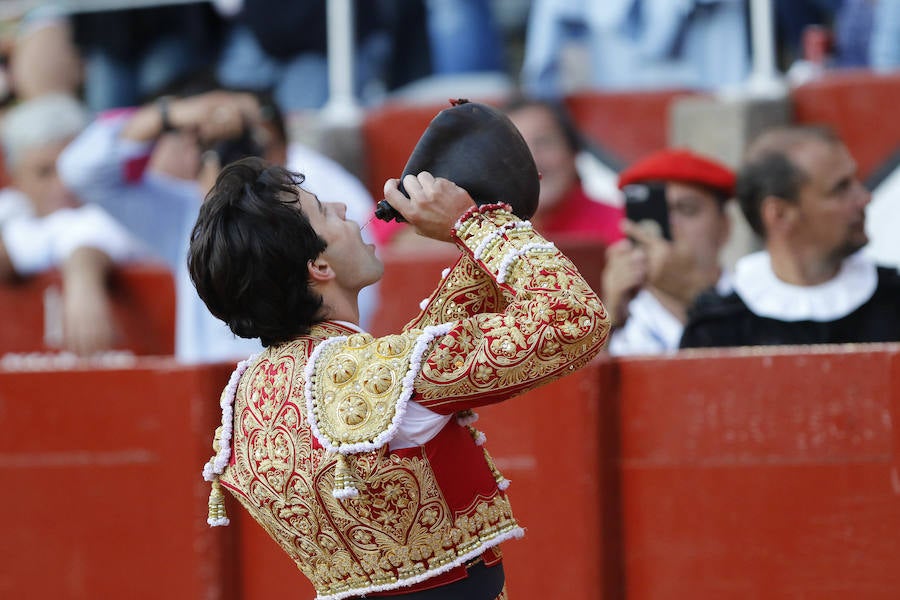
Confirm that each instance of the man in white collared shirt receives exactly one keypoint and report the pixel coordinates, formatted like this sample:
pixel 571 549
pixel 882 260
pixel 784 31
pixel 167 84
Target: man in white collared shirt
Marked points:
pixel 799 190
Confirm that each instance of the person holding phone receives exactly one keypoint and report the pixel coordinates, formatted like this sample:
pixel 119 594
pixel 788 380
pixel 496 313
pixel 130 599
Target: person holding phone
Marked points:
pixel 676 226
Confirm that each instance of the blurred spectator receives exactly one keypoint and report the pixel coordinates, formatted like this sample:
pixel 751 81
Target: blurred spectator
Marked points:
pixel 393 49
pixel 838 35
pixel 636 44
pixel 799 190
pixel 884 46
pixel 817 56
pixel 131 54
pixel 43 225
pixel 649 282
pixel 150 168
pixel 43 58
pixel 281 45
pixel 853 33
pixel 460 52
pixel 793 17
pixel 883 222
pixel 409 56
pixel 464 37
pixel 564 208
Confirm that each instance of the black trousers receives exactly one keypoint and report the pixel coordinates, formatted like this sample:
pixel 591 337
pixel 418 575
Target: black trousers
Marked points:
pixel 483 583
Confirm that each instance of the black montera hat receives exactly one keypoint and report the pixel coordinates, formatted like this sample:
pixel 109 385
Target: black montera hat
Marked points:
pixel 479 149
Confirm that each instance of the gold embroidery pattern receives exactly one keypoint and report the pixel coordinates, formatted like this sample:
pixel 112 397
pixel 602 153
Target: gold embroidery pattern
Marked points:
pixel 358 384
pixel 555 325
pixel 398 527
pixel 467 290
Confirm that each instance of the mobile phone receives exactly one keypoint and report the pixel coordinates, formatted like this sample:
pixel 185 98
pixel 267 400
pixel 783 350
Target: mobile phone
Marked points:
pixel 647 202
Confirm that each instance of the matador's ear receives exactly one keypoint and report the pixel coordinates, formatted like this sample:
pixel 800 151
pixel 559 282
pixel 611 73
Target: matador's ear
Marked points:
pixel 319 270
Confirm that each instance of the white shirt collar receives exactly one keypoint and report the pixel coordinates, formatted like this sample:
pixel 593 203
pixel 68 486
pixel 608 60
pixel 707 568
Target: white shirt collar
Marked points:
pixel 767 296
pixel 349 325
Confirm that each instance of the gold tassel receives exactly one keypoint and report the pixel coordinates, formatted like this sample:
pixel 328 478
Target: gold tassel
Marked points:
pixel 502 482
pixel 345 480
pixel 466 416
pixel 477 436
pixel 217 515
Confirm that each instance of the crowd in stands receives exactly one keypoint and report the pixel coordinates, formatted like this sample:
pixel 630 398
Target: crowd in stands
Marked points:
pixel 115 124
pixel 841 33
pixel 116 58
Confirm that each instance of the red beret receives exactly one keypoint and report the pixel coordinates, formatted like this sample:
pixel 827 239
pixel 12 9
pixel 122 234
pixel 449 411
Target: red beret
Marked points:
pixel 682 166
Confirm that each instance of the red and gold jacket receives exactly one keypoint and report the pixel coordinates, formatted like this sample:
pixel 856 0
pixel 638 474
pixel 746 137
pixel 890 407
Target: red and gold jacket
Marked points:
pixel 313 419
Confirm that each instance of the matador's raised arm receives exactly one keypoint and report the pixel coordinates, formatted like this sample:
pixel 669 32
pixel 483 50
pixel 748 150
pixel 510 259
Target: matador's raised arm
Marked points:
pixel 553 324
pixel 547 322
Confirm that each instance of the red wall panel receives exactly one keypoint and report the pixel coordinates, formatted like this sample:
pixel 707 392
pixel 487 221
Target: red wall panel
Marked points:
pixel 143 303
pixel 760 474
pixel 102 495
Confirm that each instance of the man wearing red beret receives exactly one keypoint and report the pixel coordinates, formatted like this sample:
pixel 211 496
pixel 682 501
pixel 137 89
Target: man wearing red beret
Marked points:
pixel 650 281
pixel 799 190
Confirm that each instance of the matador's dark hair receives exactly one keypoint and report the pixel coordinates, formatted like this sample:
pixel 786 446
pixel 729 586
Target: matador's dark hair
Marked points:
pixel 249 253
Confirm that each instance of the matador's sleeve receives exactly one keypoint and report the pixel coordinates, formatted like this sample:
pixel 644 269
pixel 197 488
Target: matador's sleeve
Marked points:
pixel 465 289
pixel 357 387
pixel 553 324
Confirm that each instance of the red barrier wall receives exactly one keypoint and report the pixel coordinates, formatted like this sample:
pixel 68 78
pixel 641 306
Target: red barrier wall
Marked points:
pixel 746 474
pixel 549 443
pixel 143 301
pixel 761 474
pixel 627 124
pixel 102 495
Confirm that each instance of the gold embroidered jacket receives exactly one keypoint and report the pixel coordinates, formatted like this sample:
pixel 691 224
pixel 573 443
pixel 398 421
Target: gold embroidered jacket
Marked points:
pixel 313 418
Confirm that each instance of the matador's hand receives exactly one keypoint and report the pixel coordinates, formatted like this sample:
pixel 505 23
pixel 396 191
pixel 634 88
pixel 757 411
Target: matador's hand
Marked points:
pixel 433 206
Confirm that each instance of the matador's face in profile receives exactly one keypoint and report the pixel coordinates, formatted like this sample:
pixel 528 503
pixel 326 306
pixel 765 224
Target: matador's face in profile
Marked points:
pixel 351 261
